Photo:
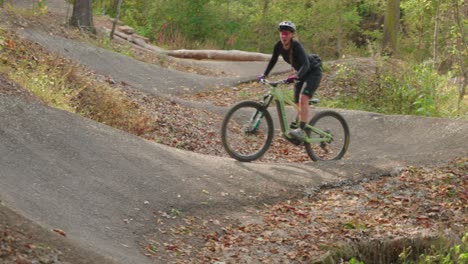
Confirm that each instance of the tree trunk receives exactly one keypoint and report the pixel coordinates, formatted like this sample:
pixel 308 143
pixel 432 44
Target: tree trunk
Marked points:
pixel 82 16
pixel 263 27
pixel 462 51
pixel 391 27
pixel 436 34
pixel 339 30
pixel 117 17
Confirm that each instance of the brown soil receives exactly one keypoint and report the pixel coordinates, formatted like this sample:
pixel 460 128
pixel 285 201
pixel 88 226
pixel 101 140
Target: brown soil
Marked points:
pixel 277 232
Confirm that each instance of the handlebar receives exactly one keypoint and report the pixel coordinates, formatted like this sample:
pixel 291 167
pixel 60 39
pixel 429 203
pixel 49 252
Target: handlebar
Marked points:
pixel 274 84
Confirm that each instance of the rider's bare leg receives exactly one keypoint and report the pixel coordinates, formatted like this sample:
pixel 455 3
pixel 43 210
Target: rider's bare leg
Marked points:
pixel 303 106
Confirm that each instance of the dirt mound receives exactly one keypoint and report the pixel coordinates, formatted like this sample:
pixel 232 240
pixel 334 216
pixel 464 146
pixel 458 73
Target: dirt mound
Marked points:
pixel 52 159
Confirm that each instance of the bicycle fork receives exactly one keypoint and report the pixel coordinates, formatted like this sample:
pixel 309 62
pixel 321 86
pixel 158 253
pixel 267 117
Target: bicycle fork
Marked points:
pixel 257 116
pixel 254 122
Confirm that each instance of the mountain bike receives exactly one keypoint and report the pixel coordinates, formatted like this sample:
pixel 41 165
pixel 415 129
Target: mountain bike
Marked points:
pixel 247 129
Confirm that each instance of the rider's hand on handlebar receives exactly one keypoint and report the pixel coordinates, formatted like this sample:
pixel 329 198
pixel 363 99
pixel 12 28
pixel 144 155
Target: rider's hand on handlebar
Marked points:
pixel 260 77
pixel 291 79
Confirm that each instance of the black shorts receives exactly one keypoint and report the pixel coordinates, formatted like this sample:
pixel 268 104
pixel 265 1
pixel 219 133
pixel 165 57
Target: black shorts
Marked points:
pixel 309 85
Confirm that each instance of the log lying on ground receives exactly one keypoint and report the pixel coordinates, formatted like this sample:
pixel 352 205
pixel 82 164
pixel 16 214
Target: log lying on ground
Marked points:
pixel 228 55
pixel 136 40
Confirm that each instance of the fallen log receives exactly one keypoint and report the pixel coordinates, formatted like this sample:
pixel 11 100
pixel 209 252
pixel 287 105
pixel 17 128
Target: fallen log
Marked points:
pixel 228 55
pixel 135 40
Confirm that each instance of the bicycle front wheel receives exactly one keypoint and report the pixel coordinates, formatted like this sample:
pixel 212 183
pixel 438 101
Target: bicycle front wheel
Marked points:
pixel 247 131
pixel 335 147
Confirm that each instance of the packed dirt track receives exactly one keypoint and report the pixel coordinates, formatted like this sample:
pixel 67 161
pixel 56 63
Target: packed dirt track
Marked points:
pixel 102 187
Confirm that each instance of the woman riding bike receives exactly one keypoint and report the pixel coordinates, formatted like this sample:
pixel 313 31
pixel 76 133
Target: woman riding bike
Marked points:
pixel 308 74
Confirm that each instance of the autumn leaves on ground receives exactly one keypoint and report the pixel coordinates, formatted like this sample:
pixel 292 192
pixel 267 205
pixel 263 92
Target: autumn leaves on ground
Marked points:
pixel 332 225
pixel 384 220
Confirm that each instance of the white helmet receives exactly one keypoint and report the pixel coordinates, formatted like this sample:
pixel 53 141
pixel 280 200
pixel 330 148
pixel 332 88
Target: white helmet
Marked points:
pixel 287 25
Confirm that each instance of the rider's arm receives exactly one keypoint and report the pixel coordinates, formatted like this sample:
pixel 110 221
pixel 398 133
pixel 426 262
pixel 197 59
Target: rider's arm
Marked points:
pixel 274 59
pixel 303 60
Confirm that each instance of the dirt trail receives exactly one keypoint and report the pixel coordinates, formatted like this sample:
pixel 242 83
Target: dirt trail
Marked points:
pixel 103 186
pixel 150 78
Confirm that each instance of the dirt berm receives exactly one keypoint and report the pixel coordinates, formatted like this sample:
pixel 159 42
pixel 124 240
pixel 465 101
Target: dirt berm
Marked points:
pixel 103 186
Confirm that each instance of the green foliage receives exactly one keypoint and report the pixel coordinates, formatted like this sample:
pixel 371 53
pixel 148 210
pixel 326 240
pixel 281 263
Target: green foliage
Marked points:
pixel 328 27
pixel 421 30
pixel 41 7
pixel 420 91
pixel 246 25
pixel 355 261
pixel 345 74
pixel 331 28
pixel 454 254
pixel 416 89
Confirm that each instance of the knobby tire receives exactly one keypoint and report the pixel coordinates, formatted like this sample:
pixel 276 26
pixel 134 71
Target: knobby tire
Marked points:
pixel 334 123
pixel 239 144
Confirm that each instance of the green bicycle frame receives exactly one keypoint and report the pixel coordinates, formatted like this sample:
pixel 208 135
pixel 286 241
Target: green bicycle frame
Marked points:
pixel 281 101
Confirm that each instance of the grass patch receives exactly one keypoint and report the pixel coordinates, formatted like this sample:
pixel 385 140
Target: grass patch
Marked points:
pixel 62 84
pixel 50 85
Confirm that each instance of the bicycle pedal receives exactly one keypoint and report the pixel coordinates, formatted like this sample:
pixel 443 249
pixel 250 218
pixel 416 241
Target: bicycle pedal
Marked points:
pixel 314 101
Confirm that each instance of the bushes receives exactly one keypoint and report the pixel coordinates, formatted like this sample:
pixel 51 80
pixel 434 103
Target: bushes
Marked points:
pixel 414 89
pixel 418 90
pixel 446 252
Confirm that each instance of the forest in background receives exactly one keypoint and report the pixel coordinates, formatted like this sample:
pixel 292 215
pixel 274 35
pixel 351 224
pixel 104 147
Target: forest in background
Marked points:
pixel 423 41
pixel 429 36
pixel 331 28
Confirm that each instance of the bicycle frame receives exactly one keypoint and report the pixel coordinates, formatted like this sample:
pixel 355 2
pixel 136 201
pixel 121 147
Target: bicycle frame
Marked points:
pixel 276 95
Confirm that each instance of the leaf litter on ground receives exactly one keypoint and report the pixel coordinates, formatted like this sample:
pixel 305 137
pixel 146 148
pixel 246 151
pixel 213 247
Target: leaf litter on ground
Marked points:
pixel 416 203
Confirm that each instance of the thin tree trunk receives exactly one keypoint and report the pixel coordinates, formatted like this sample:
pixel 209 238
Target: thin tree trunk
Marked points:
pixel 266 3
pixel 462 51
pixel 339 32
pixel 117 17
pixel 226 41
pixel 264 25
pixel 436 35
pixel 391 27
pixel 67 14
pixel 420 53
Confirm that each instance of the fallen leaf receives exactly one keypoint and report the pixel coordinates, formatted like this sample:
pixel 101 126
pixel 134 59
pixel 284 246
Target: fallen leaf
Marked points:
pixel 60 232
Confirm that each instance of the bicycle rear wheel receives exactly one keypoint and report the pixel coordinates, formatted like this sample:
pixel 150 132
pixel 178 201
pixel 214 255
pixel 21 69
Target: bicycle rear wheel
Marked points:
pixel 247 131
pixel 334 149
